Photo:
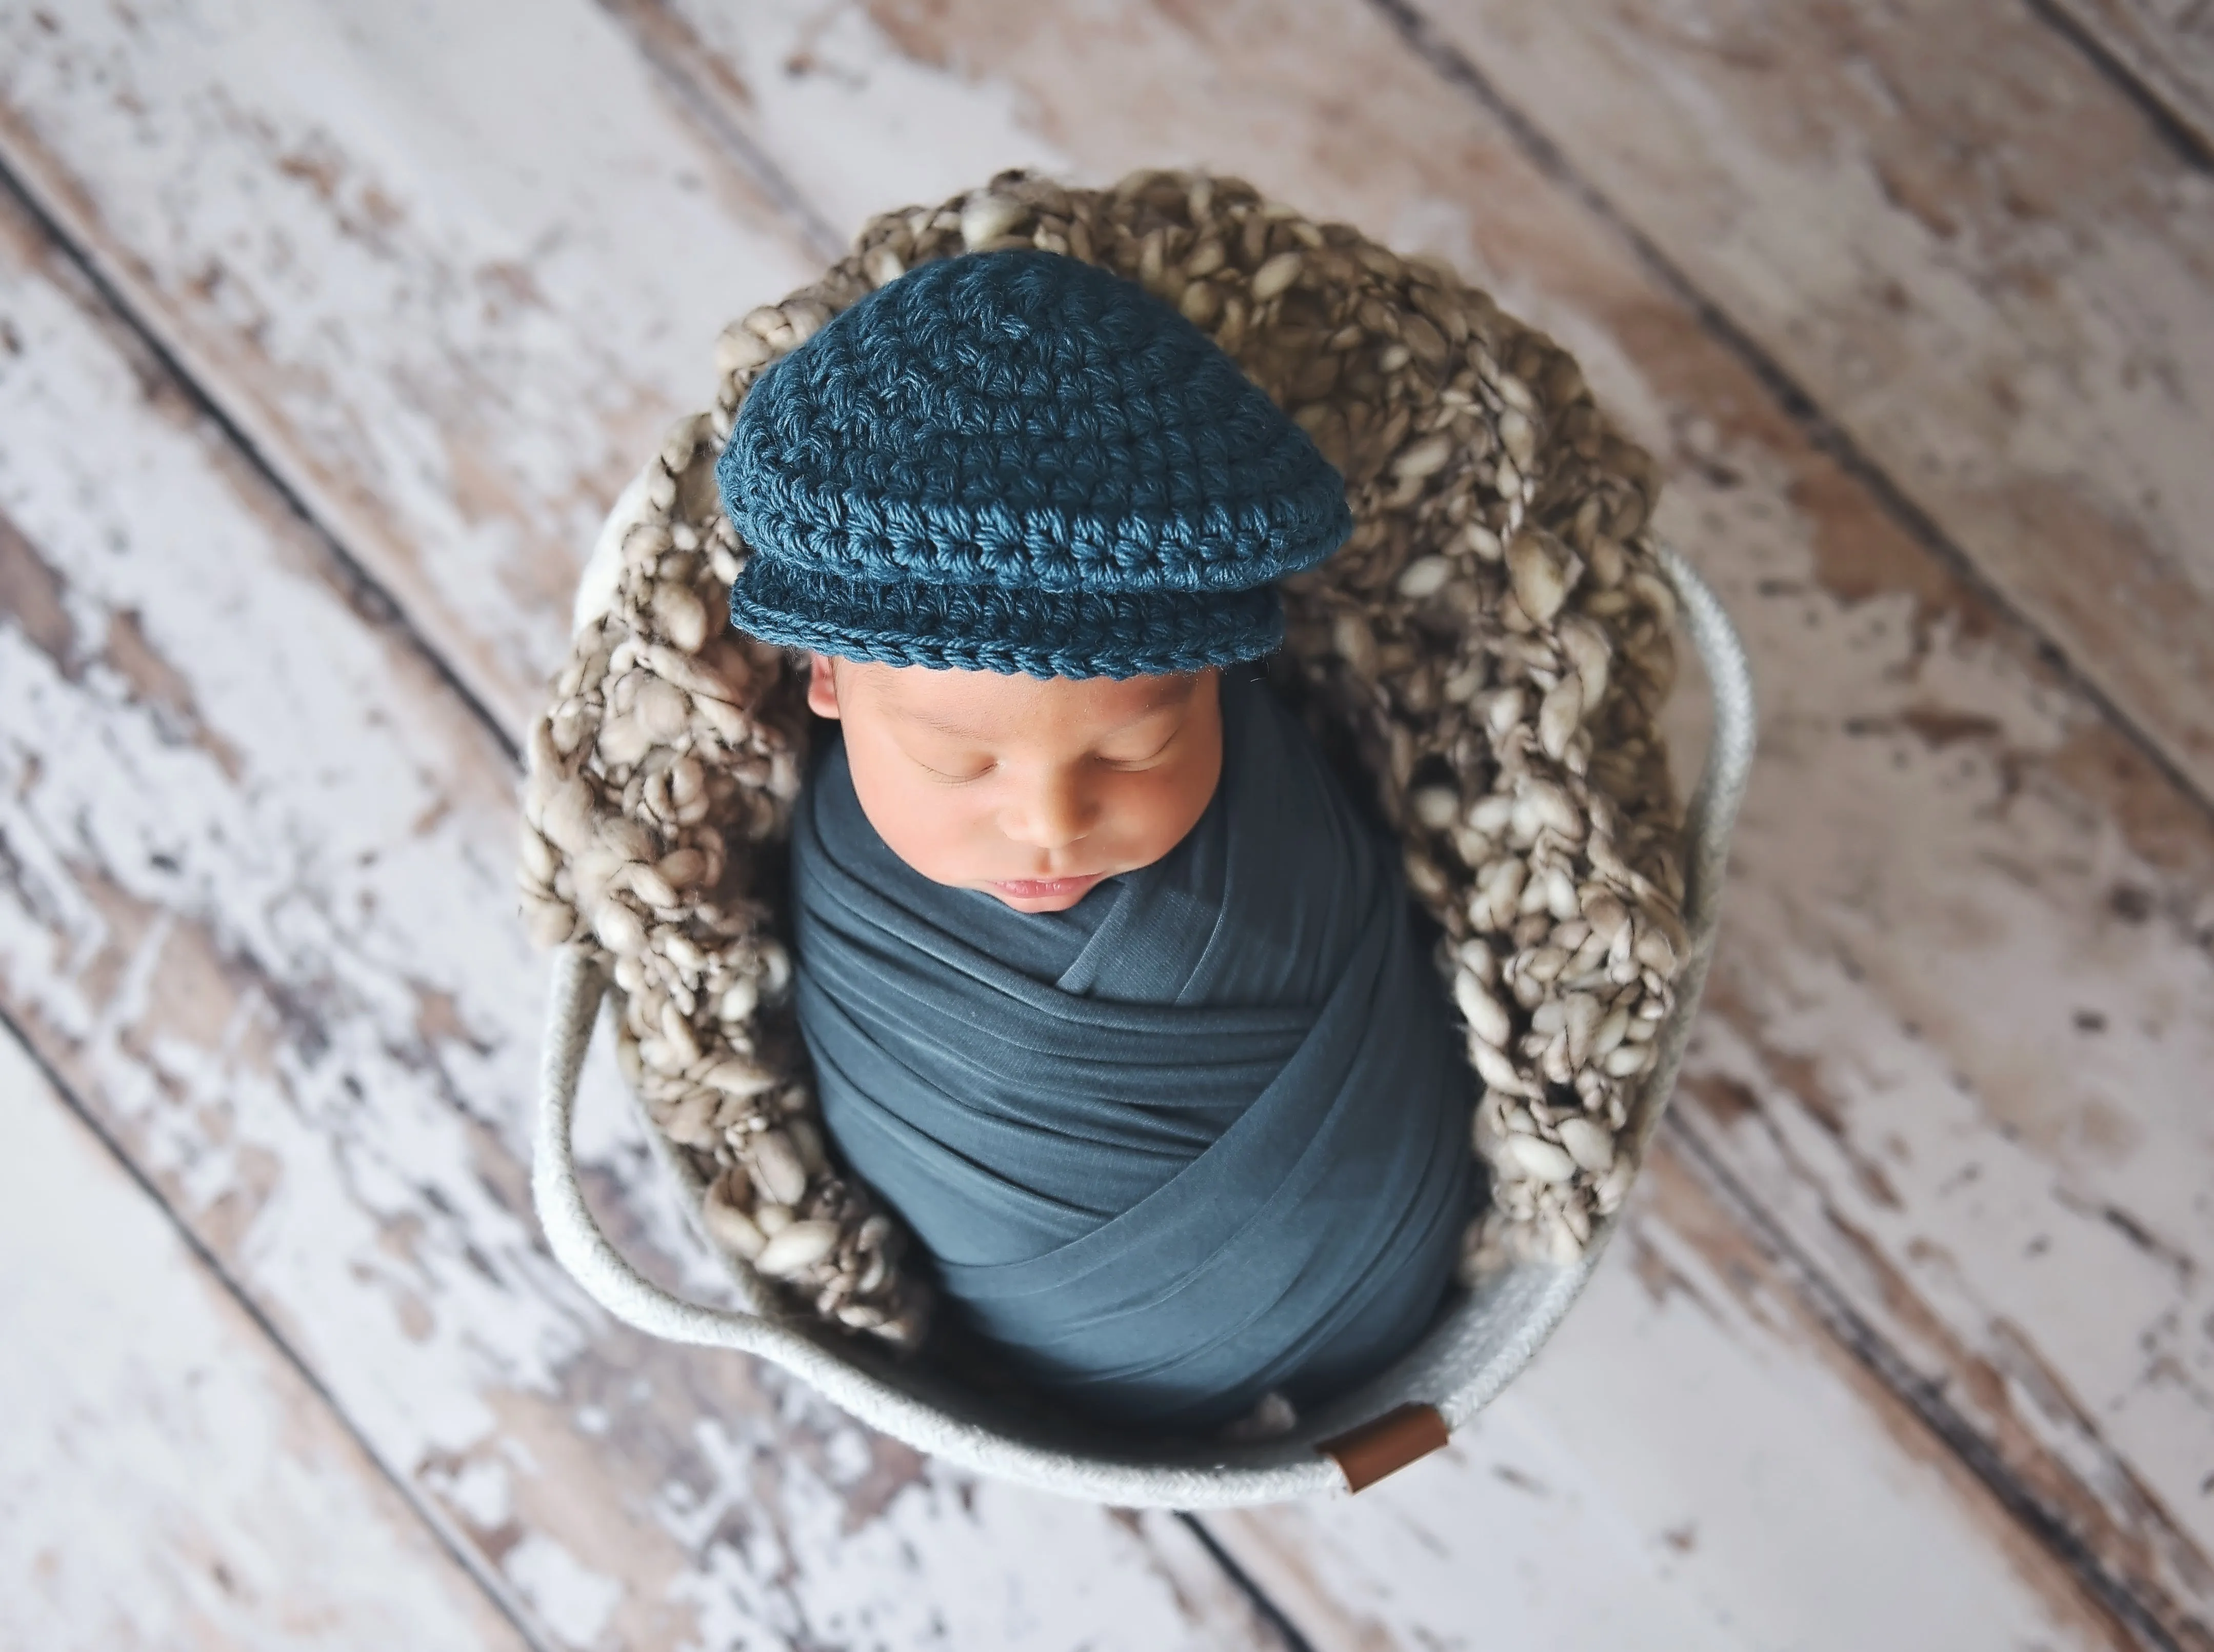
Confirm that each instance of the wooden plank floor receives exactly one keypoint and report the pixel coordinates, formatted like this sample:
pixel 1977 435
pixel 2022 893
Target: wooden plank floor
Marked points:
pixel 325 336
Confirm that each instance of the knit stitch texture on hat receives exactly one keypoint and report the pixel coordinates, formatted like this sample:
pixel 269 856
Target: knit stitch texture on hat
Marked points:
pixel 1018 461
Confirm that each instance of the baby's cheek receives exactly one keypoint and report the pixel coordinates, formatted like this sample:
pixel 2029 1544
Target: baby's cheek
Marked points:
pixel 1154 810
pixel 954 842
pixel 1139 819
pixel 928 832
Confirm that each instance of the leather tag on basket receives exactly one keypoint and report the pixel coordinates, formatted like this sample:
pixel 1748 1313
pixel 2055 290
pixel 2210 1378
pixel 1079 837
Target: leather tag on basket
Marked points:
pixel 1385 1445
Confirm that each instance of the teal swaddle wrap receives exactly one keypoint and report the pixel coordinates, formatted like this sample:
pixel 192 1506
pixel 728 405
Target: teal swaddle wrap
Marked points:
pixel 1203 1136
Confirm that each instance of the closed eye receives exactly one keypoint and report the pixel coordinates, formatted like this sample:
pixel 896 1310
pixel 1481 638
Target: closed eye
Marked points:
pixel 1128 765
pixel 954 780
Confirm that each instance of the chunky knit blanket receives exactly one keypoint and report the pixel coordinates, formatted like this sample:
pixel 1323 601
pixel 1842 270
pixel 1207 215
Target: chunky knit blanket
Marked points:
pixel 1490 647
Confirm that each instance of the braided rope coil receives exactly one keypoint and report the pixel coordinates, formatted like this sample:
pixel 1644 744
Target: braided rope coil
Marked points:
pixel 1491 646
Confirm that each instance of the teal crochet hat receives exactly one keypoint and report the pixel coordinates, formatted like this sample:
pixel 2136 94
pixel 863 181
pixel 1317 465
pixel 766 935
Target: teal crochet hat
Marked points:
pixel 1016 461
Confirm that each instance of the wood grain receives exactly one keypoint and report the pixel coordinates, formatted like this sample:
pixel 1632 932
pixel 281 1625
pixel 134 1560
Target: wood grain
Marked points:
pixel 381 242
pixel 142 1400
pixel 1693 1422
pixel 1968 928
pixel 1884 901
pixel 2164 47
pixel 256 909
pixel 1989 270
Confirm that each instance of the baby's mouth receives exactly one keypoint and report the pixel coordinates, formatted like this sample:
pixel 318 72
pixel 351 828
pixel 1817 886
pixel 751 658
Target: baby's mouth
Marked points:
pixel 1044 889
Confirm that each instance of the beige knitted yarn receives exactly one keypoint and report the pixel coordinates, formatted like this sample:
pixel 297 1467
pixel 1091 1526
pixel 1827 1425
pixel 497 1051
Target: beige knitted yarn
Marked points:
pixel 1492 646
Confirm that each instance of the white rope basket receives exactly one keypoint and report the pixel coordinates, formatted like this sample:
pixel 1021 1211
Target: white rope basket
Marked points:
pixel 1481 1341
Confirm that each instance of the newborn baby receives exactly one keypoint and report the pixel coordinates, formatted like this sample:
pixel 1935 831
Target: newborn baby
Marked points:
pixel 1109 991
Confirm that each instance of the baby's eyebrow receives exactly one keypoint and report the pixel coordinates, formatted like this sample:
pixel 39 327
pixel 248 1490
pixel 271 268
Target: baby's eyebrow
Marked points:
pixel 944 726
pixel 1173 692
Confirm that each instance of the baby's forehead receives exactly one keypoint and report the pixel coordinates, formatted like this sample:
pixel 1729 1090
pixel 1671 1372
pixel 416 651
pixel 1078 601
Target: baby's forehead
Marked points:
pixel 996 705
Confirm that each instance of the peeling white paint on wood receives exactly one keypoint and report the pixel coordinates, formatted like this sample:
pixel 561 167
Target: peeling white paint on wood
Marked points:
pixel 1957 1038
pixel 1942 839
pixel 451 269
pixel 1690 1464
pixel 2167 46
pixel 258 911
pixel 1885 920
pixel 1970 248
pixel 855 124
pixel 369 1268
pixel 167 1479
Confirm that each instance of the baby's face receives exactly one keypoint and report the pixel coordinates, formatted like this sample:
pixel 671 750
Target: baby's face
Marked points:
pixel 1030 790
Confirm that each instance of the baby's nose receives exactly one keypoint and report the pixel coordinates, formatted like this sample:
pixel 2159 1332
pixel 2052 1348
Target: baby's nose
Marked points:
pixel 1050 815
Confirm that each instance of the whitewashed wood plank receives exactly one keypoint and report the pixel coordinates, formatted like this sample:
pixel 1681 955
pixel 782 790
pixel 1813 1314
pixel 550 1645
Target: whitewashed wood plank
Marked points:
pixel 1133 88
pixel 512 1487
pixel 450 269
pixel 2023 343
pixel 1951 867
pixel 1692 1435
pixel 256 907
pixel 1973 251
pixel 1979 256
pixel 2165 47
pixel 167 1479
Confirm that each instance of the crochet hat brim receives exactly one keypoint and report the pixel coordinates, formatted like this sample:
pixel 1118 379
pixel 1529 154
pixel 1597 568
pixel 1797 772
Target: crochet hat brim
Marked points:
pixel 972 628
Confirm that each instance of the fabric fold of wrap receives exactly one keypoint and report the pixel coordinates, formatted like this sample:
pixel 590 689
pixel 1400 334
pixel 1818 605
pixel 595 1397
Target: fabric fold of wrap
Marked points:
pixel 1203 1136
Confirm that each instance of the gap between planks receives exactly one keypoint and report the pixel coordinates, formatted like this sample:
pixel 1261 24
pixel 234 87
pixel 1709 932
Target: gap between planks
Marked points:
pixel 432 656
pixel 376 604
pixel 464 1554
pixel 661 31
pixel 385 608
pixel 1823 432
pixel 1926 1399
pixel 2167 93
pixel 669 45
pixel 1270 1614
pixel 369 596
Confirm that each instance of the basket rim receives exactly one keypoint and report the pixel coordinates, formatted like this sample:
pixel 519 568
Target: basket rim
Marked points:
pixel 1482 1343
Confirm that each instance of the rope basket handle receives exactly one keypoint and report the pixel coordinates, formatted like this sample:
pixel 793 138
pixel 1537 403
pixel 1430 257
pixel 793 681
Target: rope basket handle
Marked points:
pixel 1710 817
pixel 579 1242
